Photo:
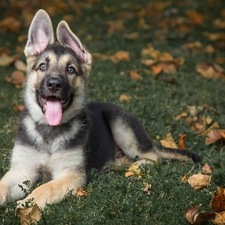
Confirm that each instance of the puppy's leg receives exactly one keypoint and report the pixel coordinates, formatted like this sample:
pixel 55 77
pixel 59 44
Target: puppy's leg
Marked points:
pixel 22 169
pixel 68 174
pixel 55 190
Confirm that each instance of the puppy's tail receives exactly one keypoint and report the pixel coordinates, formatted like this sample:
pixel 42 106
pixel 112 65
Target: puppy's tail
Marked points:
pixel 179 154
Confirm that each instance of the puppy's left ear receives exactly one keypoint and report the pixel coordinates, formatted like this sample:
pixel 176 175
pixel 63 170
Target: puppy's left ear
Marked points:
pixel 40 34
pixel 67 38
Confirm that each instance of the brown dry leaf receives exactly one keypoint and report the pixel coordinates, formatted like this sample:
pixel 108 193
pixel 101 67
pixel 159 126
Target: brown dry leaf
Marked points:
pixel 120 56
pixel 193 46
pixel 125 97
pixel 10 24
pixel 148 50
pixel 20 65
pixel 196 18
pixel 146 188
pixel 135 76
pixel 169 142
pixel 114 26
pixel 164 57
pixel 6 60
pixel 18 108
pixel 209 49
pixel 131 36
pixel 195 217
pixel 182 138
pixel 81 193
pixel 220 60
pixel 148 62
pixel 185 177
pixel 218 23
pixel 220 218
pixel 18 78
pixel 199 181
pixel 206 168
pixel 210 70
pixel 29 215
pixel 218 200
pixel 214 135
pixel 215 36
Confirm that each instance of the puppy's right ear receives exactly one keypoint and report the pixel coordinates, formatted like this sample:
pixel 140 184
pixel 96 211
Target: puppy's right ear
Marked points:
pixel 40 34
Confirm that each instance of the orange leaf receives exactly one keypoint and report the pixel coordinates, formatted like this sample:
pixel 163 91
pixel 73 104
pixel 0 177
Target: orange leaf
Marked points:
pixel 196 18
pixel 206 169
pixel 220 218
pixel 18 108
pixel 182 138
pixel 131 36
pixel 18 78
pixel 81 192
pixel 135 76
pixel 157 69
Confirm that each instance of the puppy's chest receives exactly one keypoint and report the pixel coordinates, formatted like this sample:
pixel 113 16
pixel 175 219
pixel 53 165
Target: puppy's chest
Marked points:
pixel 50 139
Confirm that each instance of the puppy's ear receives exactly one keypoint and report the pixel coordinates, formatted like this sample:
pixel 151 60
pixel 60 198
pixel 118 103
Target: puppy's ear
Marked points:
pixel 67 38
pixel 40 34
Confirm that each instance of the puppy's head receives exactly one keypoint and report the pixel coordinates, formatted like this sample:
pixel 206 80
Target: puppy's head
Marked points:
pixel 57 73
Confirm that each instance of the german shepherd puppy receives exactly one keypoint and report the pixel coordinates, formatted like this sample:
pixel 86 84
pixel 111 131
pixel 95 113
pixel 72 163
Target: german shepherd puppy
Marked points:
pixel 60 136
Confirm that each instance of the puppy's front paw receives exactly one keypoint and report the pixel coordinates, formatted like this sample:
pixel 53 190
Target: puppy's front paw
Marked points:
pixel 3 194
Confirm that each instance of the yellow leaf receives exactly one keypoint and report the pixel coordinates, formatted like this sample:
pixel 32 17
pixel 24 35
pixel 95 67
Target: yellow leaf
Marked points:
pixel 168 142
pixel 199 181
pixel 29 215
pixel 125 97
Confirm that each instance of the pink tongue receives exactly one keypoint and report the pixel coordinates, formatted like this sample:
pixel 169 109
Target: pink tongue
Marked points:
pixel 53 112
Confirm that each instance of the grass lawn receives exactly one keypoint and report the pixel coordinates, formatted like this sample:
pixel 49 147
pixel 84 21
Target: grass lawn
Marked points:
pixel 153 86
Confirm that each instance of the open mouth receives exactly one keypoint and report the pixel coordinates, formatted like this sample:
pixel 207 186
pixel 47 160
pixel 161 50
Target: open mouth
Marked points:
pixel 53 108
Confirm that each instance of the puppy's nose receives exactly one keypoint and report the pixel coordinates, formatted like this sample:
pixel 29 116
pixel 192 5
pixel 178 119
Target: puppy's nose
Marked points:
pixel 54 84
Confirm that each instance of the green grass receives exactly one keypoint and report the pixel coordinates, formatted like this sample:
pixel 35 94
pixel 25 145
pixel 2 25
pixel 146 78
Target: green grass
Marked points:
pixel 113 198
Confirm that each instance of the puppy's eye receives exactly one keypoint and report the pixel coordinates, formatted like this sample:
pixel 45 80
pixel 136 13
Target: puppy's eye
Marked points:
pixel 43 67
pixel 71 70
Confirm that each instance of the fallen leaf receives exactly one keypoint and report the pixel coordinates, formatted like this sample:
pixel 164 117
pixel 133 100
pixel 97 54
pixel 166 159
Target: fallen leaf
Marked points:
pixel 185 177
pixel 196 18
pixel 220 60
pixel 29 215
pixel 113 26
pixel 182 138
pixel 134 170
pixel 18 78
pixel 195 217
pixel 156 70
pixel 220 218
pixel 20 65
pixel 125 97
pixel 18 108
pixel 120 56
pixel 206 168
pixel 81 193
pixel 10 24
pixel 214 135
pixel 199 181
pixel 215 36
pixel 6 60
pixel 193 46
pixel 135 76
pixel 169 142
pixel 146 188
pixel 131 36
pixel 209 49
pixel 210 70
pixel 148 62
pixel 218 200
pixel 218 23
